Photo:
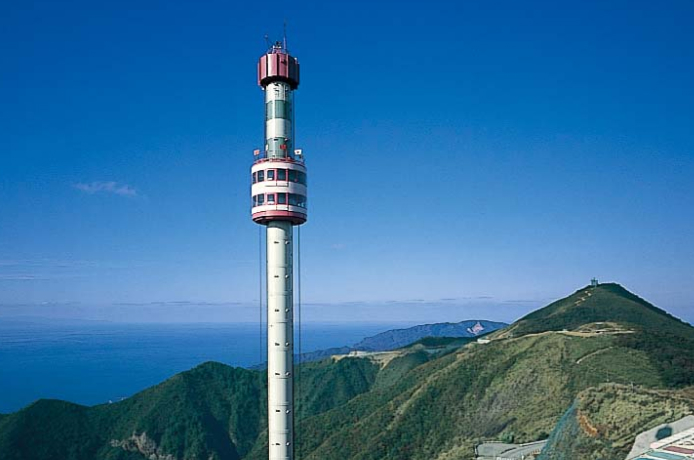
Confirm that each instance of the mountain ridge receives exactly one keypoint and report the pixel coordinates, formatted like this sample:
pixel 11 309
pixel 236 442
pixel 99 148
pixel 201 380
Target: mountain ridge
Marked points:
pixel 397 338
pixel 578 308
pixel 434 400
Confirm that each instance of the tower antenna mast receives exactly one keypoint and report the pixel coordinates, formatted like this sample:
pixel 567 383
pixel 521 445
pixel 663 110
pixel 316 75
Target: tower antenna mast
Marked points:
pixel 278 193
pixel 285 36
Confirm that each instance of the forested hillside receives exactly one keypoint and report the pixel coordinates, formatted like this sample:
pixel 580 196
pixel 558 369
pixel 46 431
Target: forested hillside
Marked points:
pixel 434 399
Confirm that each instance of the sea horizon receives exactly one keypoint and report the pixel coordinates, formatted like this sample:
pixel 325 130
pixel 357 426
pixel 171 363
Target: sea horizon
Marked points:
pixel 94 362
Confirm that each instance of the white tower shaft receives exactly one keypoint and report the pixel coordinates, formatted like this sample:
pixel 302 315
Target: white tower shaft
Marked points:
pixel 280 340
pixel 278 194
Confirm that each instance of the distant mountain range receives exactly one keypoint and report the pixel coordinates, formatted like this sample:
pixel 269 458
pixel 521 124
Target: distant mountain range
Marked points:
pixel 589 372
pixel 397 338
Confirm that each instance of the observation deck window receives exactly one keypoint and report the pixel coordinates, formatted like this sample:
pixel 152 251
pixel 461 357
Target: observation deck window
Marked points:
pixel 271 174
pixel 297 200
pixel 261 176
pixel 281 174
pixel 292 199
pixel 293 175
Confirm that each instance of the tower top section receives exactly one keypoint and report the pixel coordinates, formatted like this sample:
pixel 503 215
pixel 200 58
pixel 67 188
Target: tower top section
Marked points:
pixel 278 65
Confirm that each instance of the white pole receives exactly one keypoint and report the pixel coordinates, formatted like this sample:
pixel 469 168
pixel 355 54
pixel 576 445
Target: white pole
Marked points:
pixel 280 336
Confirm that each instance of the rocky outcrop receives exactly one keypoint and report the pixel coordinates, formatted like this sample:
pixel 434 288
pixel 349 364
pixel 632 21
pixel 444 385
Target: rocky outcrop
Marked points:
pixel 144 445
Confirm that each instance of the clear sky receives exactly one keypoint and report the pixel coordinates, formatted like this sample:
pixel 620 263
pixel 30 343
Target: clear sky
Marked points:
pixel 466 158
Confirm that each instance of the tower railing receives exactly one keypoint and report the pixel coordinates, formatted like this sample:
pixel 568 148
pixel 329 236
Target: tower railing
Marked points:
pixel 259 156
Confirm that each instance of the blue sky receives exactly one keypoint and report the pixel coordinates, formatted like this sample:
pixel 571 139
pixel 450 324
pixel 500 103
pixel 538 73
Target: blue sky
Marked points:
pixel 465 158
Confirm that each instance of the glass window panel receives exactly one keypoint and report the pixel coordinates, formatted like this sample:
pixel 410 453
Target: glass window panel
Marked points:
pixel 261 200
pixel 271 199
pixel 292 175
pixel 281 174
pixel 271 174
pixel 253 177
pixel 278 109
pixel 281 198
pixel 261 176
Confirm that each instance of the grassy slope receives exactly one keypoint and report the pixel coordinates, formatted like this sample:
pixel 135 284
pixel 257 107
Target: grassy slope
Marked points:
pixel 668 341
pixel 514 388
pixel 324 385
pixel 603 421
pixel 608 302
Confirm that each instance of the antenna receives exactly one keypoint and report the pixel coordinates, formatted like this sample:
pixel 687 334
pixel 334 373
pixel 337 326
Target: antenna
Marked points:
pixel 285 36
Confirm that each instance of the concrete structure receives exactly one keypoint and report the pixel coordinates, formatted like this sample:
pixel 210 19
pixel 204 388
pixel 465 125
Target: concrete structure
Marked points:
pixel 278 193
pixel 670 441
pixel 504 451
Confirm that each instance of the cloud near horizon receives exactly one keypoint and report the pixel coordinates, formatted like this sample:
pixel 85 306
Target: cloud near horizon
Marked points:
pixel 20 277
pixel 113 187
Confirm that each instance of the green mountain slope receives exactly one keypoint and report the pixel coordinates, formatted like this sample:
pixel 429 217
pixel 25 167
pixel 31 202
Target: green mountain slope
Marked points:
pixel 433 400
pixel 212 412
pixel 608 302
pixel 668 341
pixel 603 421
pixel 515 388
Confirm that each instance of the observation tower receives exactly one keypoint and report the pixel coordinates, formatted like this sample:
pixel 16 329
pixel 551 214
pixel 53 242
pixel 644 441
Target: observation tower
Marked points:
pixel 279 202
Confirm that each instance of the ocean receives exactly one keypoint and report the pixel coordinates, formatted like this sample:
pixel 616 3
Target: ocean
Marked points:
pixel 93 363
